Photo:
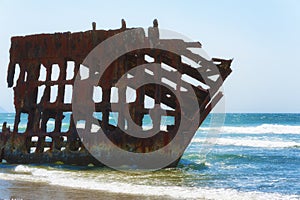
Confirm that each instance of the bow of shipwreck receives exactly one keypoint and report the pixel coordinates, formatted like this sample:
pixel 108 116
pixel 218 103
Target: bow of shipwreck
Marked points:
pixel 43 99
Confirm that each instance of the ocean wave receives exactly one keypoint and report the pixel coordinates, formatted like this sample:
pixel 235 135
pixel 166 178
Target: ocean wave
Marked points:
pixel 261 129
pixel 22 169
pixel 101 183
pixel 264 128
pixel 248 142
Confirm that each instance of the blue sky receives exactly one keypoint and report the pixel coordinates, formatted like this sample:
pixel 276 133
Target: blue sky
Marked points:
pixel 263 37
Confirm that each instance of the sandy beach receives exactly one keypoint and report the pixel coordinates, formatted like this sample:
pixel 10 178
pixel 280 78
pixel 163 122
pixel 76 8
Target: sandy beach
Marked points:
pixel 19 190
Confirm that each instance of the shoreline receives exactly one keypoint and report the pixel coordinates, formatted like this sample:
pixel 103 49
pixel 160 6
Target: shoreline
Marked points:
pixel 23 190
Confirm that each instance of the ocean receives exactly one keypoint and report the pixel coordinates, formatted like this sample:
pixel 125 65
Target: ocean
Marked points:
pixel 253 156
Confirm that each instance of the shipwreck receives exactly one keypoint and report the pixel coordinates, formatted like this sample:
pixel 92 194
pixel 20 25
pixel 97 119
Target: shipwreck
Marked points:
pixel 38 55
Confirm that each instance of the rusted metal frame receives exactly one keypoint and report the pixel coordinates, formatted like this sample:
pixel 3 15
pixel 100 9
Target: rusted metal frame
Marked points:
pixel 174 61
pixel 140 92
pixel 210 106
pixel 121 94
pixel 50 110
pixel 102 106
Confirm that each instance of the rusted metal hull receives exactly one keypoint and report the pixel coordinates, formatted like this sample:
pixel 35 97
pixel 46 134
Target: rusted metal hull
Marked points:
pixel 32 53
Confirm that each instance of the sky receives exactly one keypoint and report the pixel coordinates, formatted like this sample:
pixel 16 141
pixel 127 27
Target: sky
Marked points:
pixel 263 37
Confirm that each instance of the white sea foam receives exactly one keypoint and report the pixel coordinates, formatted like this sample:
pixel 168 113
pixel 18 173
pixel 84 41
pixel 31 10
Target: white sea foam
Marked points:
pixel 103 182
pixel 264 128
pixel 22 169
pixel 248 142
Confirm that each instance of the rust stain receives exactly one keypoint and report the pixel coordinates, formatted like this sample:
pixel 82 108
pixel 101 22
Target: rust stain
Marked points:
pixel 33 52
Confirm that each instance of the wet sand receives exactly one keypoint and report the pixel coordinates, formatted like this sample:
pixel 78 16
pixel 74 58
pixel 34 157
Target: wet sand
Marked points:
pixel 19 190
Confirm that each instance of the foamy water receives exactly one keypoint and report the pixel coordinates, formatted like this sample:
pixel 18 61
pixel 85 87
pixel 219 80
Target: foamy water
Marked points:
pixel 264 128
pixel 249 142
pixel 103 182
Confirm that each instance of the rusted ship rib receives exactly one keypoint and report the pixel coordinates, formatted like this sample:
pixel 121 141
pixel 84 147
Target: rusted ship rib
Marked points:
pixel 34 53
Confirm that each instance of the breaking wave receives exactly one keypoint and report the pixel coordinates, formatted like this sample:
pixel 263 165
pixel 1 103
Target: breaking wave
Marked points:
pixel 249 143
pixel 97 182
pixel 264 128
